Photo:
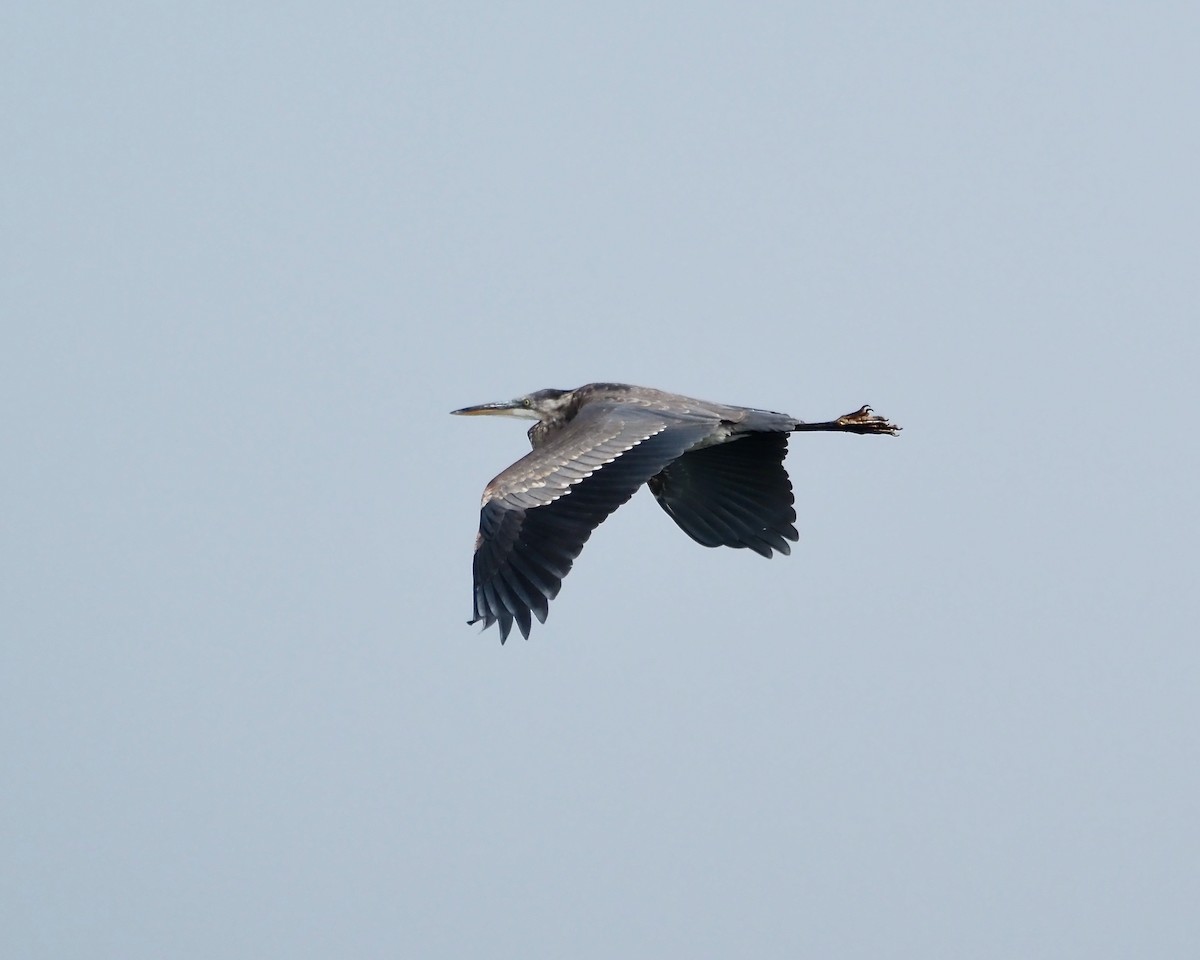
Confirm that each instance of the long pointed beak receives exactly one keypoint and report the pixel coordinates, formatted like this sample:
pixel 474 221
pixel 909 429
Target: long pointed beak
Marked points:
pixel 486 409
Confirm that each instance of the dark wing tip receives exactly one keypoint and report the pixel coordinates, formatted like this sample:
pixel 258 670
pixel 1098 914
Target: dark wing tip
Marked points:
pixel 734 494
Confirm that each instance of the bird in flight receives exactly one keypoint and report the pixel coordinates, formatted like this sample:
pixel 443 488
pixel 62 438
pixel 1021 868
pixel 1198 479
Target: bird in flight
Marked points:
pixel 717 470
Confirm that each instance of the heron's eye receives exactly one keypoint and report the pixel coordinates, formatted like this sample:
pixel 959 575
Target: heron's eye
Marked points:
pixel 527 403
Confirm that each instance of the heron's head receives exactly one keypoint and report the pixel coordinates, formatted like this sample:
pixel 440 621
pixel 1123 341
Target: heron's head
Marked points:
pixel 540 405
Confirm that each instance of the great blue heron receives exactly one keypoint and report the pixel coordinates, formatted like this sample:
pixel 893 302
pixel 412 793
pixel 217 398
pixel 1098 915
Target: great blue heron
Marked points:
pixel 593 447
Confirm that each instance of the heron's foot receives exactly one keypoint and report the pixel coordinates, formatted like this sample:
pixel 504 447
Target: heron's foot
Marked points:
pixel 864 421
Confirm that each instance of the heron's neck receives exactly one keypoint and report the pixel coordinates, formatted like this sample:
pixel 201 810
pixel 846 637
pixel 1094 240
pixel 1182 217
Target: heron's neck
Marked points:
pixel 543 430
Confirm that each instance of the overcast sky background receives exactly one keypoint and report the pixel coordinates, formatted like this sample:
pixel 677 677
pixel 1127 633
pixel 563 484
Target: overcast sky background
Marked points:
pixel 252 256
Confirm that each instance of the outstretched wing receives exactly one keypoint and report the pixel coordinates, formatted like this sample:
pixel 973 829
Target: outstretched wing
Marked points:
pixel 537 514
pixel 734 494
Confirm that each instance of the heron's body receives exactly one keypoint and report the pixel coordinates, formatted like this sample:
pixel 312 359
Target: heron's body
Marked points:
pixel 716 469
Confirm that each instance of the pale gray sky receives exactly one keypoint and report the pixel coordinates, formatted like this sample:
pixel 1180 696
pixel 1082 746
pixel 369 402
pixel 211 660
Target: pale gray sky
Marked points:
pixel 253 256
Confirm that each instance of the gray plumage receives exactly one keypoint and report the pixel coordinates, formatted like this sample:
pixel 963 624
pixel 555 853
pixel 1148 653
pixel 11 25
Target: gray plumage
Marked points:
pixel 717 470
